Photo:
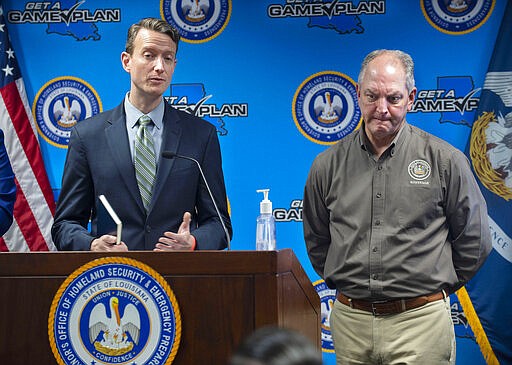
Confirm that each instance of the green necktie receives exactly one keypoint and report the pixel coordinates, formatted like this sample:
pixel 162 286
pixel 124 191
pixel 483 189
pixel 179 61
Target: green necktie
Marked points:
pixel 145 164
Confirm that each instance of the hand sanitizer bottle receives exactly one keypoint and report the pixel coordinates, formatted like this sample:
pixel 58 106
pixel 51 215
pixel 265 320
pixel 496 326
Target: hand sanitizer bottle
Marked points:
pixel 265 225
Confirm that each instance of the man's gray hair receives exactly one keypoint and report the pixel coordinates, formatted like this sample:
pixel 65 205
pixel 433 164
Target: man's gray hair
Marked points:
pixel 404 58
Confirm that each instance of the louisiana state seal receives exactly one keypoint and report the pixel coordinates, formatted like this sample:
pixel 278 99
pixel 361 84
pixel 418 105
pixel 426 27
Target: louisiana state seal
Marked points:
pixel 114 310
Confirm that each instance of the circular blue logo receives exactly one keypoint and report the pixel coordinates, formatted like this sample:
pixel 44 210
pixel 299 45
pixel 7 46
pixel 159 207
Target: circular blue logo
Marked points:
pixel 327 298
pixel 325 107
pixel 457 16
pixel 197 21
pixel 114 311
pixel 60 104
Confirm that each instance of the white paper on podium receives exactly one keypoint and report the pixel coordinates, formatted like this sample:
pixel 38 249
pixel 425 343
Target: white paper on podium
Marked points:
pixel 103 221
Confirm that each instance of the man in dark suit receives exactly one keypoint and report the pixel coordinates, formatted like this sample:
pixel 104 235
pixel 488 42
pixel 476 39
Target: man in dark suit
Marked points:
pixel 164 205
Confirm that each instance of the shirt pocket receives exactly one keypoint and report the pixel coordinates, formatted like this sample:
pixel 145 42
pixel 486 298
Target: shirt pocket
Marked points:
pixel 418 206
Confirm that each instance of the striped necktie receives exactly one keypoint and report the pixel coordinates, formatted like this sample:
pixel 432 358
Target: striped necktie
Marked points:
pixel 145 164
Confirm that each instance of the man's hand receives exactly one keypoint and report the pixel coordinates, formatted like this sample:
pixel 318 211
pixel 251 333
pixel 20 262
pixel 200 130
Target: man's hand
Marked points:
pixel 182 240
pixel 107 243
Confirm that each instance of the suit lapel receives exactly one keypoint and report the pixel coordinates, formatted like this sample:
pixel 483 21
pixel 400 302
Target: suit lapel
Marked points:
pixel 170 141
pixel 117 139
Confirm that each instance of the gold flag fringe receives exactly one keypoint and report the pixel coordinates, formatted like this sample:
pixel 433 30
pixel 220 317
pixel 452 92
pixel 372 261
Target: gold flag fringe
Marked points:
pixel 476 326
pixel 481 164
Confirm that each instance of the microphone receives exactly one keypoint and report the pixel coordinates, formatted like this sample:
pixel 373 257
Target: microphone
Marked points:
pixel 171 155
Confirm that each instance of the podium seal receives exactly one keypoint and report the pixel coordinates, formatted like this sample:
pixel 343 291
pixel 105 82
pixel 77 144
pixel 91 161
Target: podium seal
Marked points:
pixel 114 310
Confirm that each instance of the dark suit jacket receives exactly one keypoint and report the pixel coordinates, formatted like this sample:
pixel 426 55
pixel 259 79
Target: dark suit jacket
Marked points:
pixel 99 162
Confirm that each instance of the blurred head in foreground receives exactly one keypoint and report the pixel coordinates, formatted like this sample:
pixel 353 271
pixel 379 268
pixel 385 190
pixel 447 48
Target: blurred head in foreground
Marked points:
pixel 276 346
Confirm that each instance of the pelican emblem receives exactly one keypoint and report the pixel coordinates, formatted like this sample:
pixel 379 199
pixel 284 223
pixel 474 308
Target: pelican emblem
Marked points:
pixel 328 111
pixel 500 83
pixel 114 335
pixel 66 114
pixel 498 137
pixel 458 6
pixel 196 10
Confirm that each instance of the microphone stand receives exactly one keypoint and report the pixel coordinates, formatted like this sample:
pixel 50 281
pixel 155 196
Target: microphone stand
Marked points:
pixel 171 155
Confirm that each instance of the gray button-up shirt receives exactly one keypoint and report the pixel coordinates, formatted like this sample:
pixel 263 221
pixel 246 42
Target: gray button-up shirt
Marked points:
pixel 410 223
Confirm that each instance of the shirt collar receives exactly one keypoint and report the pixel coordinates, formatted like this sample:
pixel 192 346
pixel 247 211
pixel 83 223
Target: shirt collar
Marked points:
pixel 363 140
pixel 365 143
pixel 133 114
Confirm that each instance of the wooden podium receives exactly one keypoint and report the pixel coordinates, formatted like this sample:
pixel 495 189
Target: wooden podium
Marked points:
pixel 223 296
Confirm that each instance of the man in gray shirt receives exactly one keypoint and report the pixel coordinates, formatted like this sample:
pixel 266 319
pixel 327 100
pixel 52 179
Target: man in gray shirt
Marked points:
pixel 395 222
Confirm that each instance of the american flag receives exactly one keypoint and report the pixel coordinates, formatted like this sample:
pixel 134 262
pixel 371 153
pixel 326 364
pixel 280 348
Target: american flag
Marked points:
pixel 35 205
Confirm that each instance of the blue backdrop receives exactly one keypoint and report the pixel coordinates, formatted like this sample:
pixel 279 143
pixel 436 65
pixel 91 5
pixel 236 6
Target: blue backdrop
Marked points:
pixel 257 70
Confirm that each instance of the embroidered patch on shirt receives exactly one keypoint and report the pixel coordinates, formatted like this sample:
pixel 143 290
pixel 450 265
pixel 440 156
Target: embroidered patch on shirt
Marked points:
pixel 419 170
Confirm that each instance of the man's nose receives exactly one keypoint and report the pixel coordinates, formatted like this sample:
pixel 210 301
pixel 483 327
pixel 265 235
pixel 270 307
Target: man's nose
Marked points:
pixel 382 105
pixel 159 63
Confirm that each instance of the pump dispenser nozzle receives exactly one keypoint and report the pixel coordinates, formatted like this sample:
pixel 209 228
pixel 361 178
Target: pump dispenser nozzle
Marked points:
pixel 265 204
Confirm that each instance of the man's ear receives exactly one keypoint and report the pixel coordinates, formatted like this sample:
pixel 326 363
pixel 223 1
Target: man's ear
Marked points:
pixel 125 61
pixel 412 96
